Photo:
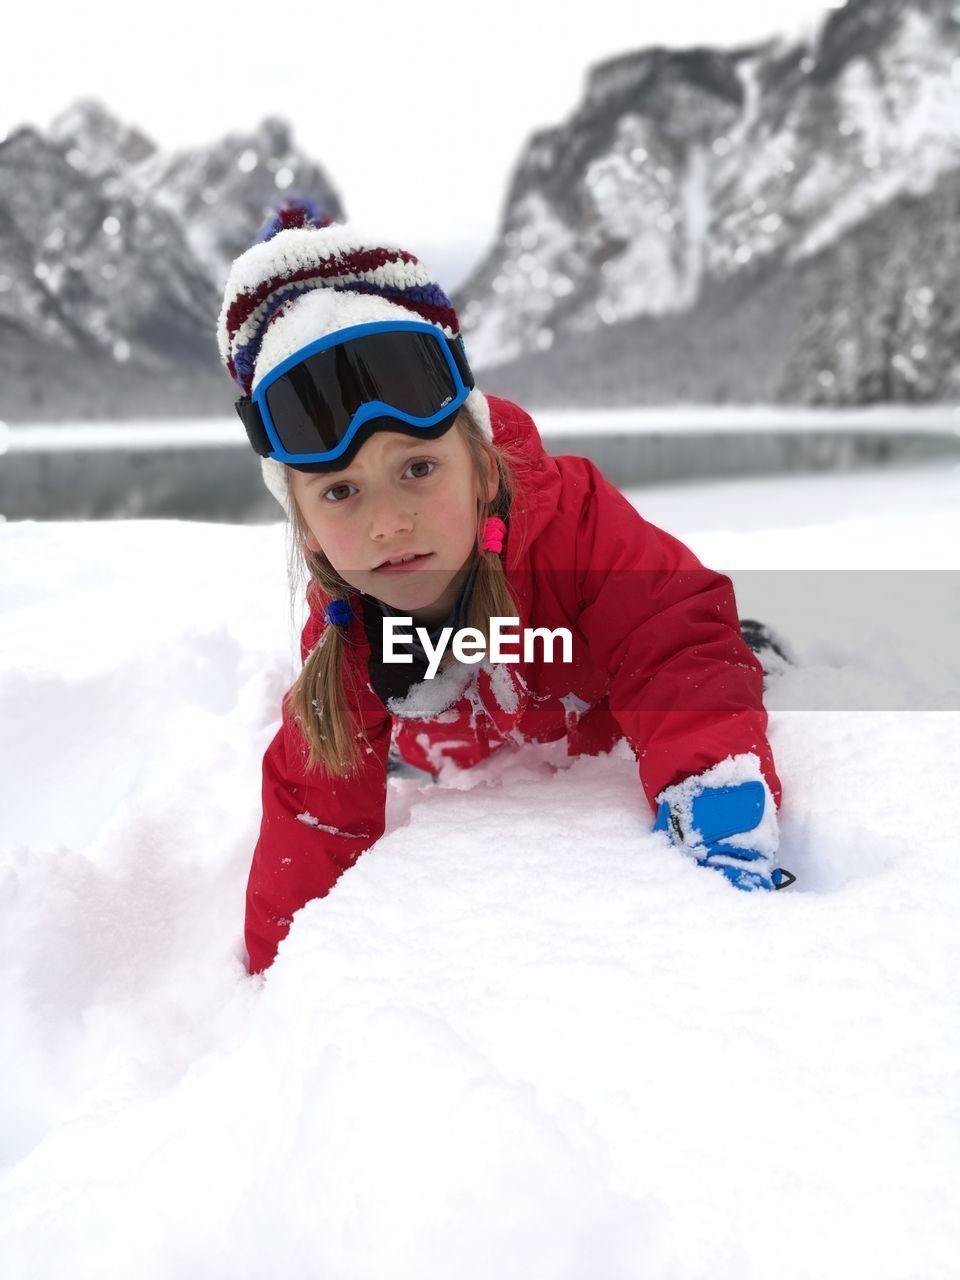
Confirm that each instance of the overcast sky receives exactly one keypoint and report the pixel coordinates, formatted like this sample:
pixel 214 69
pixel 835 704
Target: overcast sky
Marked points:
pixel 418 111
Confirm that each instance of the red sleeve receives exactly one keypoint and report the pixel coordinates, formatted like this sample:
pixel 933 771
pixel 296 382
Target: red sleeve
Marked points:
pixel 313 828
pixel 686 689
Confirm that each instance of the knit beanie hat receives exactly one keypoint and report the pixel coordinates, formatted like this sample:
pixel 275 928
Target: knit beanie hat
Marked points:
pixel 307 277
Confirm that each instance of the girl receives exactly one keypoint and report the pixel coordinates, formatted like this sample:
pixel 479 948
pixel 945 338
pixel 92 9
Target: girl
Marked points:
pixel 413 496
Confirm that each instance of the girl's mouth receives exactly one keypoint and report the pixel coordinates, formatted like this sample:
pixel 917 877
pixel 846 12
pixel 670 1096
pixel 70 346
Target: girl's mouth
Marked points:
pixel 403 564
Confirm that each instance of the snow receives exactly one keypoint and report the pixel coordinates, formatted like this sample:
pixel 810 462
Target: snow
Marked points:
pixel 494 334
pixel 522 1037
pixel 939 419
pixel 430 697
pixel 696 214
pixel 901 109
pixel 309 820
pixel 146 436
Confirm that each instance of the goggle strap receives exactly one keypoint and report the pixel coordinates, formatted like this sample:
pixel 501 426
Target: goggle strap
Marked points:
pixel 460 360
pixel 249 414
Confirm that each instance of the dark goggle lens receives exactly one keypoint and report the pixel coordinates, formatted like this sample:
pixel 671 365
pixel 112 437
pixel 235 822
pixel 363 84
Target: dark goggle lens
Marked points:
pixel 313 404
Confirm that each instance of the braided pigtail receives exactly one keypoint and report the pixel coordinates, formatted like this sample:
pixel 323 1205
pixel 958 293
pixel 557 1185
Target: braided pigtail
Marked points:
pixel 317 698
pixel 491 597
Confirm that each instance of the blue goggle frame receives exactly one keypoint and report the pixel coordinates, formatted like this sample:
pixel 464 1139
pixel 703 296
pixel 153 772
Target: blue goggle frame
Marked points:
pixel 254 411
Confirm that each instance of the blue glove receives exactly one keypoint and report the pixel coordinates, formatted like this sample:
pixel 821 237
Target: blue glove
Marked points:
pixel 722 827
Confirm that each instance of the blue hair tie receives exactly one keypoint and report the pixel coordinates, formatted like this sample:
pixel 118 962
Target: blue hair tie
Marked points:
pixel 338 612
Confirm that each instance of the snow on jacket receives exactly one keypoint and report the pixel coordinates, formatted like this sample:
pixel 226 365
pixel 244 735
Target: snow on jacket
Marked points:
pixel 657 658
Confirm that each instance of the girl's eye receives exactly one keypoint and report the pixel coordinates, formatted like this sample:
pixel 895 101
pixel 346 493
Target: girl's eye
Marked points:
pixel 420 468
pixel 337 492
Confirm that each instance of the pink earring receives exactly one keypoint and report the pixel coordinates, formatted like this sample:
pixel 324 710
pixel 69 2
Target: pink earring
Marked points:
pixel 494 532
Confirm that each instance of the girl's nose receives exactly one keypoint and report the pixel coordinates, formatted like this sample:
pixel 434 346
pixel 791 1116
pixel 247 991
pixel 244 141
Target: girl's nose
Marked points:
pixel 390 515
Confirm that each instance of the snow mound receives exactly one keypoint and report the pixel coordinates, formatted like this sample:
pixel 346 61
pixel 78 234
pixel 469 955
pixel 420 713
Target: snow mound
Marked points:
pixel 523 1037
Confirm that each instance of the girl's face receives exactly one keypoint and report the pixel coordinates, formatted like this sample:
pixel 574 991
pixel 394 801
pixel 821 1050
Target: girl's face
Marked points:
pixel 399 498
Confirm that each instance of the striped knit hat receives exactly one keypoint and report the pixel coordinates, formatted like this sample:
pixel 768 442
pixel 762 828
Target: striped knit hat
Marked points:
pixel 307 277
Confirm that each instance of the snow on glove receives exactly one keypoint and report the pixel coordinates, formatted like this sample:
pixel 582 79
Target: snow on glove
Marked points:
pixel 726 818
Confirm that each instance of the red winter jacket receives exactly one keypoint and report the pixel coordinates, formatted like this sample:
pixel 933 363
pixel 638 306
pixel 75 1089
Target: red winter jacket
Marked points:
pixel 658 658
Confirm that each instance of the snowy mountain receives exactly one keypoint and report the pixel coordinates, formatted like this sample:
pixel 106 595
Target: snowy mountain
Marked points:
pixel 112 260
pixel 219 192
pixel 714 192
pixel 769 223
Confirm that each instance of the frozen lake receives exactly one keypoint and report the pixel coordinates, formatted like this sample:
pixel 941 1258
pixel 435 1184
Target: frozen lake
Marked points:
pixel 204 468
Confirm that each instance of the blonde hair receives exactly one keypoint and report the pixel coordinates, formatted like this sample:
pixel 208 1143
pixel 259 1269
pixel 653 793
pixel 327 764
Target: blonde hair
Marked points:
pixel 317 700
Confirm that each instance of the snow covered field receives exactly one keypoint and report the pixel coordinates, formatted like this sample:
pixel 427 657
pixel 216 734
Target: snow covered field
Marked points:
pixel 522 1039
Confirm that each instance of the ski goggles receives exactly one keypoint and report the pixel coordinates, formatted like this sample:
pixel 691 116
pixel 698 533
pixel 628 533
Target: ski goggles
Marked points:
pixel 316 408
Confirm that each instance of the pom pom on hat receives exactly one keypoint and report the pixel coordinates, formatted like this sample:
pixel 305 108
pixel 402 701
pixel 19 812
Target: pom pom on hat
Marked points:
pixel 297 211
